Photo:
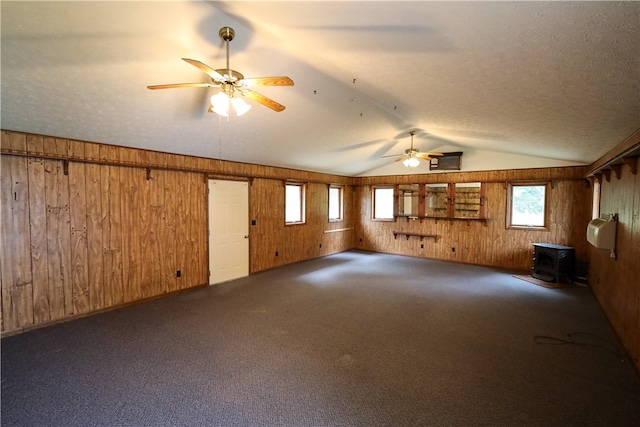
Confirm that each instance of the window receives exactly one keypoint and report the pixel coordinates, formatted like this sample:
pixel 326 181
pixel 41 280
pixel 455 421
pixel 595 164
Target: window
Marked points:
pixel 383 203
pixel 294 203
pixel 595 207
pixel 527 205
pixel 336 210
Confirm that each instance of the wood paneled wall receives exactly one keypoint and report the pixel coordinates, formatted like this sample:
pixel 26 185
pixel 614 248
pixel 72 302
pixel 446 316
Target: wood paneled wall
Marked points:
pixel 487 242
pixel 616 282
pixel 88 227
pixel 94 238
pixel 298 242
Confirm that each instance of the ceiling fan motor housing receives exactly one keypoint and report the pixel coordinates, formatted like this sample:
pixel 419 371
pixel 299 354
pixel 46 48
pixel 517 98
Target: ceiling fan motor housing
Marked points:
pixel 227 34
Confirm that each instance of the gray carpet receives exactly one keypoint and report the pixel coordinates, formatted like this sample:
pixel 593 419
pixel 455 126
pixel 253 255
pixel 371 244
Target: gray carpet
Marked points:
pixel 353 339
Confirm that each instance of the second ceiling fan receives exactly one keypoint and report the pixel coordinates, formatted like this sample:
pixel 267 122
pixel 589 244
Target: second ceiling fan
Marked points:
pixel 411 157
pixel 232 83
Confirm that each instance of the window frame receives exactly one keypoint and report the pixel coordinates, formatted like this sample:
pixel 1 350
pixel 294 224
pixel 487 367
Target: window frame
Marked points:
pixel 595 199
pixel 509 214
pixel 303 188
pixel 373 203
pixel 340 189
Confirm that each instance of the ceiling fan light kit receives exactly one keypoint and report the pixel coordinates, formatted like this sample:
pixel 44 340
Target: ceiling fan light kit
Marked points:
pixel 220 103
pixel 232 83
pixel 411 157
pixel 411 162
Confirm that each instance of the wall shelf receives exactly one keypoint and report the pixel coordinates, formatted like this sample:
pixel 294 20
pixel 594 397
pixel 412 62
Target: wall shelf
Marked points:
pixel 407 234
pixel 455 218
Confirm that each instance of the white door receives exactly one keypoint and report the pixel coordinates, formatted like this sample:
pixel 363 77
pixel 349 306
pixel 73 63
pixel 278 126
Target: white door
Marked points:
pixel 228 230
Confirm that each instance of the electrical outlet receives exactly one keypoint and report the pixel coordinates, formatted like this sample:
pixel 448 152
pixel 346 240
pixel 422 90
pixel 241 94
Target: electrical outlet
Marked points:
pixel 276 253
pixel 421 245
pixel 320 244
pixel 178 273
pixel 453 249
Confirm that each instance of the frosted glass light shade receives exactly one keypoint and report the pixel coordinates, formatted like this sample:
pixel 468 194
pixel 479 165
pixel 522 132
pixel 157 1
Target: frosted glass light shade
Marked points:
pixel 411 162
pixel 220 104
pixel 240 106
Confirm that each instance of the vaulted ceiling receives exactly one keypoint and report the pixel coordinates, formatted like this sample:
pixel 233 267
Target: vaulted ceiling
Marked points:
pixel 510 84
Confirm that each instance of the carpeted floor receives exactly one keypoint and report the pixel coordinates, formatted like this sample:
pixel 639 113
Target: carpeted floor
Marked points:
pixel 353 339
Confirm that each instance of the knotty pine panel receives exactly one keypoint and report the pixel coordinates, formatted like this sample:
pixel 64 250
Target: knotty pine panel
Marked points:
pixel 58 240
pixel 95 223
pixel 17 278
pixel 13 142
pixel 37 233
pixel 130 181
pixel 79 251
pixel 157 239
pixel 615 281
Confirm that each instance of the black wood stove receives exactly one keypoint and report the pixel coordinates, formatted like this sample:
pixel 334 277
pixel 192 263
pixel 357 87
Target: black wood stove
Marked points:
pixel 553 263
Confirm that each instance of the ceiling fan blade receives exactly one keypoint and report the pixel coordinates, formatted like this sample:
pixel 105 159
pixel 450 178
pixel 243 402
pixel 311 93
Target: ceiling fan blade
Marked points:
pixel 423 156
pixel 401 158
pixel 176 85
pixel 266 81
pixel 204 67
pixel 267 102
pixel 394 155
pixel 430 154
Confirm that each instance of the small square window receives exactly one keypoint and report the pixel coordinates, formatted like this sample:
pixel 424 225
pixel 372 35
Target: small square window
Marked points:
pixel 527 205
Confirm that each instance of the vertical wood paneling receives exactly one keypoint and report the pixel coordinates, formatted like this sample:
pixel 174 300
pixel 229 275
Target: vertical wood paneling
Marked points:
pixel 169 219
pixel 144 276
pixel 17 280
pixel 35 145
pixel 156 237
pixel 37 232
pixel 114 287
pixel 95 220
pixel 130 180
pixel 88 214
pixel 13 141
pixel 56 146
pixel 615 281
pixel 78 220
pixel 58 240
pixel 487 242
pixel 196 251
pixel 181 190
pixel 147 229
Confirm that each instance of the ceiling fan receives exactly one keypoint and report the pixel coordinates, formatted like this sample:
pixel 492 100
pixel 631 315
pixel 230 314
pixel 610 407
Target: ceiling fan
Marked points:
pixel 411 157
pixel 232 84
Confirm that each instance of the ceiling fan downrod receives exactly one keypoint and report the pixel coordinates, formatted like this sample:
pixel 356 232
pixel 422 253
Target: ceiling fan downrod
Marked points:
pixel 227 34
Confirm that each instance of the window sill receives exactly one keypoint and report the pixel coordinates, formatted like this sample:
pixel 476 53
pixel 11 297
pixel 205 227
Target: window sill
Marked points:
pixel 527 227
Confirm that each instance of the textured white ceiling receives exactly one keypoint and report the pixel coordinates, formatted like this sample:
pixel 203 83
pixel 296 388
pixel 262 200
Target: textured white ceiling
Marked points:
pixel 511 84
